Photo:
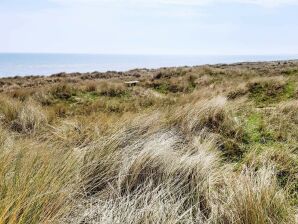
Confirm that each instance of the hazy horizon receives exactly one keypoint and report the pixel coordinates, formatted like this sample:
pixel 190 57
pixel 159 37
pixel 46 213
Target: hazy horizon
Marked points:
pixel 12 64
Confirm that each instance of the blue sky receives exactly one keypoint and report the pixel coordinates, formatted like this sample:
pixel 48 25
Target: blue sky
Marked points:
pixel 150 26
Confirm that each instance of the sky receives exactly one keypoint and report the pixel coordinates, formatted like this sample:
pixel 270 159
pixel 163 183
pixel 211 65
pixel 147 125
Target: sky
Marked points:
pixel 174 27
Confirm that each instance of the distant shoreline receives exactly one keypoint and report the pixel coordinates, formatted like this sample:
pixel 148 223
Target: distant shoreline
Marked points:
pixel 135 70
pixel 47 64
pixel 279 67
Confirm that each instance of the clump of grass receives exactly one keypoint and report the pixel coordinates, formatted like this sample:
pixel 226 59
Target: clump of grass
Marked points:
pixel 25 117
pixel 60 110
pixel 90 87
pixel 238 92
pixel 22 94
pixel 213 115
pixel 113 89
pixel 204 114
pixel 257 198
pixel 74 132
pixel 291 71
pixel 30 118
pixel 35 183
pixel 6 139
pixel 283 121
pixel 63 91
pixel 44 98
pixel 184 84
pixel 284 161
pixel 9 109
pixel 272 91
pixel 169 73
pixel 289 109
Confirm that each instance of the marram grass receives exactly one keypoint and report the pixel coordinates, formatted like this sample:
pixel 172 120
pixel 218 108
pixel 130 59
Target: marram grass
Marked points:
pixel 209 144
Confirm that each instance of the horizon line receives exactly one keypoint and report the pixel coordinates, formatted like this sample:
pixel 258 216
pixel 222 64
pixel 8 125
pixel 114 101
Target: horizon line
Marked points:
pixel 153 54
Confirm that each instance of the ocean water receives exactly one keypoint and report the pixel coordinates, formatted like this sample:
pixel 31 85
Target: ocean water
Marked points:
pixel 47 64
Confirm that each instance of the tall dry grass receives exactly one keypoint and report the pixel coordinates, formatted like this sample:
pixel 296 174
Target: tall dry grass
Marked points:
pixel 26 117
pixel 36 182
pixel 181 147
pixel 142 175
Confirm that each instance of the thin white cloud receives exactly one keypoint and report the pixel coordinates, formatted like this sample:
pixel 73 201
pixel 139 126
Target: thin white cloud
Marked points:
pixel 265 3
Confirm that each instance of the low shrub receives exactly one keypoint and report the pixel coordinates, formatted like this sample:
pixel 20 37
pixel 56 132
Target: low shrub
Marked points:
pixel 112 89
pixel 63 91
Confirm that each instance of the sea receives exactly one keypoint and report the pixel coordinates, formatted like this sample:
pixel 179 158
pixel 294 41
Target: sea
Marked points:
pixel 23 64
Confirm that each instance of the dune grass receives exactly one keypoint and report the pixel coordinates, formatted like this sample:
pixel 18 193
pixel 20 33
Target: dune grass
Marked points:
pixel 209 144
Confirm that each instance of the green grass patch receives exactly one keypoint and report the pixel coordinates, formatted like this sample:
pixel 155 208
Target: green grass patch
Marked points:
pixel 255 131
pixel 162 88
pixel 165 88
pixel 266 93
pixel 90 96
pixel 119 93
pixel 292 71
pixel 289 90
pixel 253 128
